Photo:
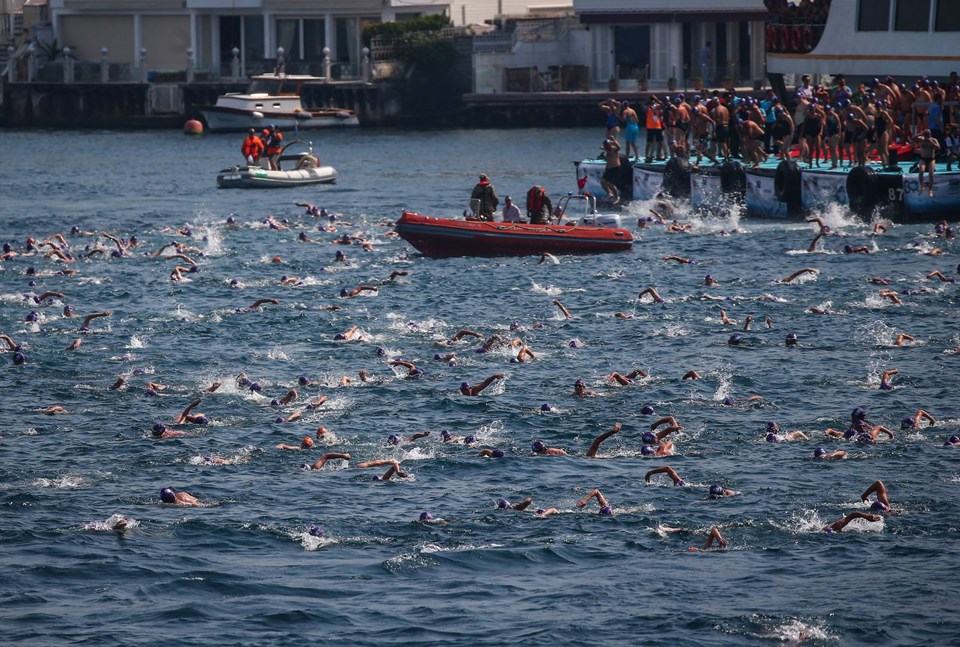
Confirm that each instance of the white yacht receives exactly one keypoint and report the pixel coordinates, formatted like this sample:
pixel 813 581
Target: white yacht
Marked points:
pixel 272 99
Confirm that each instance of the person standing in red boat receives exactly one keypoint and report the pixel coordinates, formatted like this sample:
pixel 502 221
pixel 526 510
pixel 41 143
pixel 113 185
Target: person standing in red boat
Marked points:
pixel 486 197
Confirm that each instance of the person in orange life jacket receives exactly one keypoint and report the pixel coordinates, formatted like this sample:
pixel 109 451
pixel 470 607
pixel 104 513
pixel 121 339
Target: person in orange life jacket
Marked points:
pixel 539 207
pixel 274 145
pixel 252 148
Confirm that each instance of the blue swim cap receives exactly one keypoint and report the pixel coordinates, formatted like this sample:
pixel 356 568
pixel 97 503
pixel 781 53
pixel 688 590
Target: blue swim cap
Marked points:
pixel 538 446
pixel 818 452
pixel 906 423
pixel 879 506
pixel 497 453
pixel 647 410
pixel 647 450
pixel 503 504
pixel 734 339
pixel 716 490
pixel 649 438
pixel 425 516
pixel 469 440
pixel 167 495
pixel 393 439
pixel 316 531
pixel 607 511
pixel 545 407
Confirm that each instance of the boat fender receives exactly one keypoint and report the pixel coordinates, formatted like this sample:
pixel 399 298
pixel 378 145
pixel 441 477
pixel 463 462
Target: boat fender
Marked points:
pixel 786 185
pixel 862 193
pixel 676 177
pixel 771 38
pixel 796 39
pixel 732 179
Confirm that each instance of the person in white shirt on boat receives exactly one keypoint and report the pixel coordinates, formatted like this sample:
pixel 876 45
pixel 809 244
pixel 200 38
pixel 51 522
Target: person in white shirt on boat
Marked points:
pixel 511 213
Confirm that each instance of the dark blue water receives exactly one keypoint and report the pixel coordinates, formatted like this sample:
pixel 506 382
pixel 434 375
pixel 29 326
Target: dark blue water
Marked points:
pixel 243 569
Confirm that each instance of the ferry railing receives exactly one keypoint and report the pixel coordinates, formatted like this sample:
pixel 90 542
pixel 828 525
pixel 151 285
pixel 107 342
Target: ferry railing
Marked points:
pixel 793 38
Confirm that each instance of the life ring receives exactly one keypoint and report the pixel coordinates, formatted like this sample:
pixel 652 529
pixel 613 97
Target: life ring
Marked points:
pixel 676 177
pixel 733 180
pixel 807 40
pixel 772 38
pixel 786 185
pixel 796 40
pixel 862 191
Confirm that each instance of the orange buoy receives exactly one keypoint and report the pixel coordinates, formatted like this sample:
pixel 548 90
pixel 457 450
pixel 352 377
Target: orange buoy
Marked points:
pixel 193 127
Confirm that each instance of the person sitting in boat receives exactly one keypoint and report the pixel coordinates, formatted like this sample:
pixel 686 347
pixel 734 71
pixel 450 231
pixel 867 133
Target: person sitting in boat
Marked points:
pixel 539 206
pixel 252 148
pixel 486 196
pixel 511 213
pixel 274 145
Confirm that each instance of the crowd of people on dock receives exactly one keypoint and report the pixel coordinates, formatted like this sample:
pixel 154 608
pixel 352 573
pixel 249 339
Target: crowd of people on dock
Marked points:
pixel 839 124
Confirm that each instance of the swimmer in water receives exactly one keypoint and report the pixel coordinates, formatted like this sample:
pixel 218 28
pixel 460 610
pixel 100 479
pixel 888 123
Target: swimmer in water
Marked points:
pixel 259 302
pixel 186 417
pixel 169 495
pixel 491 453
pixel 679 259
pixel 653 295
pixel 605 508
pixel 885 379
pixel 412 370
pixel 806 270
pixel 840 524
pixel 850 249
pixel 937 274
pixel 902 337
pixel 690 375
pixel 548 257
pixel 348 335
pixel 540 448
pixel 85 325
pixel 624 380
pixel 306 443
pixel 821 453
pixel 669 471
pixel 320 462
pixel 346 294
pixel 882 503
pixel 580 389
pixel 916 422
pixel 466 389
pixel 503 504
pixel 774 435
pixel 890 294
pixel 717 491
pixel 393 471
pixel 566 313
pixel 595 445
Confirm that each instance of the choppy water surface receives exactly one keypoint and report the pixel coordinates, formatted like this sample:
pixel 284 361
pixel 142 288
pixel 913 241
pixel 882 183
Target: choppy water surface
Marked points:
pixel 243 568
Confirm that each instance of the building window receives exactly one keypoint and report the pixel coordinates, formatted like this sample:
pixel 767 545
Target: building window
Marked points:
pixel 314 39
pixel 873 15
pixel 948 16
pixel 912 15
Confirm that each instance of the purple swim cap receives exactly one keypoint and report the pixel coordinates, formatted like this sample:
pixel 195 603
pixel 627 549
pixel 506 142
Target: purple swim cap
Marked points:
pixel 906 423
pixel 858 414
pixel 649 438
pixel 879 506
pixel 158 429
pixel 772 438
pixel 167 495
pixel 734 339
pixel 316 531
pixel 445 434
pixel 538 446
pixel 426 516
pixel 274 403
pixel 151 393
pixel 818 452
pixel 647 450
pixel 303 380
pixel 393 439
pixel 33 315
pixel 540 510
pixel 771 425
pixel 344 293
pixel 503 504
pixel 469 440
pixel 606 511
pixel 497 453
pixel 579 382
pixel 545 407
pixel 647 410
pixel 278 420
pixel 255 386
pixel 19 358
pixel 464 386
pixel 716 490
pixel 728 401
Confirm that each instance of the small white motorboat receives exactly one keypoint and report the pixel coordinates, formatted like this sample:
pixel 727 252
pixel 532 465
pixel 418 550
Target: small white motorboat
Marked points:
pixel 272 99
pixel 303 168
